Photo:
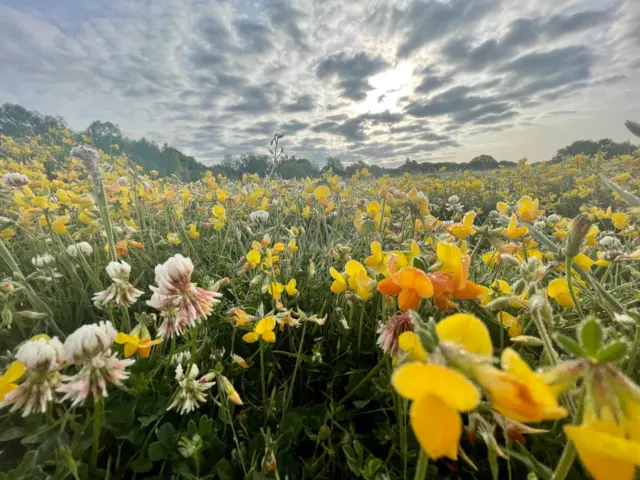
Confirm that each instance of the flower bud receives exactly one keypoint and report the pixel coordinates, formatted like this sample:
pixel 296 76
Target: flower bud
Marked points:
pixel 579 229
pixel 528 340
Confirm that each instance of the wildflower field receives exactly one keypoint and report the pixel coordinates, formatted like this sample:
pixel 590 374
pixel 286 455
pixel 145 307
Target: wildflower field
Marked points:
pixel 449 326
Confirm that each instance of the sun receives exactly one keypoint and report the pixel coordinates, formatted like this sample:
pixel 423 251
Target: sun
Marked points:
pixel 388 87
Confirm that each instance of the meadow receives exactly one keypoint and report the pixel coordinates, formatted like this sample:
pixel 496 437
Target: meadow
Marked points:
pixel 457 325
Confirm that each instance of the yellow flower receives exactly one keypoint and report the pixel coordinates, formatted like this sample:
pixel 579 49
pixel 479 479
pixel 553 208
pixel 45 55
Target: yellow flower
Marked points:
pixel 464 229
pixel 602 260
pixel 173 238
pixel 10 377
pixel 278 247
pixel 59 225
pixel 620 220
pixel 275 289
pixel 528 209
pixel 359 281
pixel 264 330
pixel 409 343
pixel 237 359
pixel 339 284
pixel 321 194
pixel 306 212
pixel 139 340
pixel 291 288
pixel 218 210
pixel 513 231
pixel 558 289
pixel 193 233
pixel 511 322
pixel 583 261
pixel 253 258
pixel 466 331
pixel 517 392
pixel 375 260
pixel 292 246
pixel 439 394
pixel 503 208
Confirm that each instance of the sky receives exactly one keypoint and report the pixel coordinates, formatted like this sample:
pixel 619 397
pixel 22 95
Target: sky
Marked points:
pixel 378 81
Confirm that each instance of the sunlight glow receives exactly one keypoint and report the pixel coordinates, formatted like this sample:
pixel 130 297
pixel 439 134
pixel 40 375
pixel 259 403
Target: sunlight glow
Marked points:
pixel 388 87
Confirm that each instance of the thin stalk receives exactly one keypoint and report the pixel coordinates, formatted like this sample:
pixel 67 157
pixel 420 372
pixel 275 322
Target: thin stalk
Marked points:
pixel 295 371
pixel 421 468
pixel 572 293
pixel 194 342
pixel 569 452
pixel 360 327
pixel 97 425
pixel 262 375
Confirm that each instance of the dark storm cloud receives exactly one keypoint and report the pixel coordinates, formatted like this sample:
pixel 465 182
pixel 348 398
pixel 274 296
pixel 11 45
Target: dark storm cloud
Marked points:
pixel 352 71
pixel 353 128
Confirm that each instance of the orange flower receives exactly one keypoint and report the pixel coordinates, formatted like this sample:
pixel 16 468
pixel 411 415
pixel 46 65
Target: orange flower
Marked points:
pixel 451 281
pixel 410 284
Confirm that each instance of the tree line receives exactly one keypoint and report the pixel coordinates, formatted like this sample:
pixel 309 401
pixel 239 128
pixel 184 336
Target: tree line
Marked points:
pixel 17 121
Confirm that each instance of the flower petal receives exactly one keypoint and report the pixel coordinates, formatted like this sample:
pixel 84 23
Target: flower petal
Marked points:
pixel 467 331
pixel 389 287
pixel 250 337
pixel 13 373
pixel 414 380
pixel 269 336
pixel 437 427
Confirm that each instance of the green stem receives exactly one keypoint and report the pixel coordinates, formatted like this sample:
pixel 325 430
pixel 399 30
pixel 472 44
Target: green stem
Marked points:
pixel 631 364
pixel 569 452
pixel 262 376
pixel 97 421
pixel 295 371
pixel 360 328
pixel 194 342
pixel 572 293
pixel 421 468
pixel 554 358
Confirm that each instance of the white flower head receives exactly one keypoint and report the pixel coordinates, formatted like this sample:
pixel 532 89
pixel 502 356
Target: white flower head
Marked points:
pixel 553 218
pixel 88 156
pixel 119 271
pixel 89 341
pixel 82 248
pixel 120 293
pixel 43 260
pixel 14 180
pixel 259 216
pixel 94 376
pixel 42 354
pixel 191 390
pixel 176 293
pixel 610 242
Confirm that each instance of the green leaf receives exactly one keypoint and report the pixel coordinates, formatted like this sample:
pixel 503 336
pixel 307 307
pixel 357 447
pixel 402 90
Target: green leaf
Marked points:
pixel 613 351
pixel 371 467
pixel 141 464
pixel 361 403
pixel 12 433
pixel 28 462
pixel 205 425
pixel 157 452
pixel 224 469
pixel 570 346
pixel 291 423
pixel 591 336
pixel 165 434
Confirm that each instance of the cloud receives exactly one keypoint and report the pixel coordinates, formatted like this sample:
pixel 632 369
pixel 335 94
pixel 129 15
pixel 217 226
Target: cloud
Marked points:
pixel 218 77
pixel 353 72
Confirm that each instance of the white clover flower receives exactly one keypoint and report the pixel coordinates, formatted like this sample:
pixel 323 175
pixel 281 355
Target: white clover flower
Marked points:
pixel 123 181
pixel 540 225
pixel 94 376
pixel 181 358
pixel 42 358
pixel 120 293
pixel 610 243
pixel 41 261
pixel 82 248
pixel 14 180
pixel 176 293
pixel 42 354
pixel 553 218
pixel 259 216
pixel 89 341
pixel 191 390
